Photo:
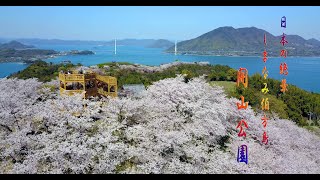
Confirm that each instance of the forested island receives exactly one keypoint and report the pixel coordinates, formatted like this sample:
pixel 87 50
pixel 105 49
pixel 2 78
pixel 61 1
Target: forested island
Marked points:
pixel 248 41
pixel 17 52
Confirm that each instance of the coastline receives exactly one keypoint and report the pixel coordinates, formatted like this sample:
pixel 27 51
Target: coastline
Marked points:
pixel 193 54
pixel 28 60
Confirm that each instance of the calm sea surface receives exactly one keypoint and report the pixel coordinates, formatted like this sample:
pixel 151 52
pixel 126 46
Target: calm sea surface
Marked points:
pixel 303 71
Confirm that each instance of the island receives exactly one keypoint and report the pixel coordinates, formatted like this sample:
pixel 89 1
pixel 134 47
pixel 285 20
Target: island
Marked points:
pixel 247 41
pixel 17 52
pixel 76 52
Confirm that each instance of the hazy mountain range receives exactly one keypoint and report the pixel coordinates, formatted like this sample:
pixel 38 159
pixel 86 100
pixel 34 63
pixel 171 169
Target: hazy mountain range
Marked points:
pixel 152 43
pixel 246 41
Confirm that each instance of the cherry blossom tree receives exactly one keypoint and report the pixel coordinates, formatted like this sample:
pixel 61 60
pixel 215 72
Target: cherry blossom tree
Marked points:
pixel 173 127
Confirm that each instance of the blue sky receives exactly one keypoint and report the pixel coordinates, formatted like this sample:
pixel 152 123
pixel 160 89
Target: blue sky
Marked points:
pixel 142 22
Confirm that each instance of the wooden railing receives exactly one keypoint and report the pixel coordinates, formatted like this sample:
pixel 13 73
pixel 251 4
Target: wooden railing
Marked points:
pixel 76 77
pixel 107 79
pixel 105 93
pixel 62 77
pixel 70 92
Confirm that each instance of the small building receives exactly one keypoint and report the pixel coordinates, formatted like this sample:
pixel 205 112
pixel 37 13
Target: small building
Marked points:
pixel 133 90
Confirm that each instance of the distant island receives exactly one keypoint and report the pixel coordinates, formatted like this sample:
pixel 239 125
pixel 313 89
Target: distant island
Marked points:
pixel 77 52
pixel 15 51
pixel 161 43
pixel 248 41
pixel 147 43
pixel 15 45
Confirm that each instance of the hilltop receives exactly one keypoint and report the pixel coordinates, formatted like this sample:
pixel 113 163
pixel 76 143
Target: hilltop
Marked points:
pixel 294 104
pixel 174 127
pixel 15 45
pixel 246 41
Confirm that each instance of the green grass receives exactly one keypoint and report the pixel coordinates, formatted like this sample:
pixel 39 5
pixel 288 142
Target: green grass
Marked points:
pixel 42 70
pixel 314 129
pixel 228 86
pixel 276 105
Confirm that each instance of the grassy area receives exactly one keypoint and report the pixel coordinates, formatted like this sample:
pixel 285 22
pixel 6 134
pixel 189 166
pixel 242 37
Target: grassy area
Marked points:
pixel 228 86
pixel 276 105
pixel 127 76
pixel 42 70
pixel 314 129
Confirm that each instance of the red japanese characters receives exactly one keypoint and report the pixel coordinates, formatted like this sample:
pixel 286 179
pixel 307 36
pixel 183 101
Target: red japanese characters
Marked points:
pixel 264 119
pixel 242 132
pixel 265 138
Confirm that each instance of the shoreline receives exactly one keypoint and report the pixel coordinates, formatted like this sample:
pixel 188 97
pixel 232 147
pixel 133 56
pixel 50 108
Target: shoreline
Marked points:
pixel 46 57
pixel 242 56
pixel 59 55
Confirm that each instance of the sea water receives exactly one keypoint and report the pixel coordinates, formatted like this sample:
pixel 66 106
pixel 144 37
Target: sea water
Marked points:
pixel 304 72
